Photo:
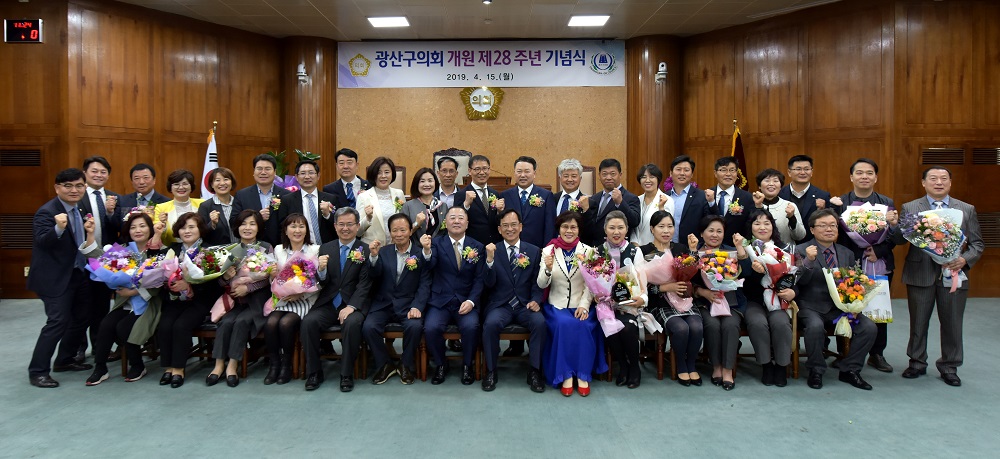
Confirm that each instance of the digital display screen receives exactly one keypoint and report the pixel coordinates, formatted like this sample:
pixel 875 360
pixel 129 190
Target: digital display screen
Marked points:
pixel 22 30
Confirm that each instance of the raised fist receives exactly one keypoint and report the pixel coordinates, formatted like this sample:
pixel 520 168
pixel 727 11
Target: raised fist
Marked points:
pixel 835 201
pixel 758 199
pixel 616 196
pixel 374 246
pixel 321 262
pixel 425 242
pixel 692 242
pixel 61 220
pixel 790 210
pixel 811 252
pixel 491 248
pixel 710 195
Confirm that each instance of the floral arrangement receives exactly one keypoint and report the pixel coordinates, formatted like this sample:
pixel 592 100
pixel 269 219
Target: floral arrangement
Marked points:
pixel 411 263
pixel 202 264
pixel 522 261
pixel 865 224
pixel 116 266
pixel 851 290
pixel 356 256
pixel 470 255
pixel 598 273
pixel 150 273
pixel 298 276
pixel 735 208
pixel 492 200
pixel 665 269
pixel 939 234
pixel 721 272
pixel 398 204
pixel 777 263
pixel 536 201
pixel 574 206
pixel 275 202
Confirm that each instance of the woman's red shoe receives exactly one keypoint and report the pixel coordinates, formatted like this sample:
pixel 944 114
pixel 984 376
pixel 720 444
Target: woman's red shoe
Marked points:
pixel 584 391
pixel 566 391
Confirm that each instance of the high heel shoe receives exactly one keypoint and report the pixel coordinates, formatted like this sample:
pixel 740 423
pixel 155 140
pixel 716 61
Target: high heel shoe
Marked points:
pixel 728 385
pixel 716 381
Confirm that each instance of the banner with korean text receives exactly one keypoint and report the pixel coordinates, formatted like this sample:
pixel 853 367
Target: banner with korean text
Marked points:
pixel 460 64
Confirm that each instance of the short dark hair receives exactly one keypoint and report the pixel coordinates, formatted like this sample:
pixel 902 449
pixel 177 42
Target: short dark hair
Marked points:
pixel 225 172
pixel 443 159
pixel 682 159
pixel 478 158
pixel 865 161
pixel 293 218
pixel 264 157
pixel 768 173
pixel 303 163
pixel 377 163
pixel 415 184
pixel 935 168
pixel 182 221
pixel 345 152
pixel 400 216
pixel 142 167
pixel 69 175
pixel 708 220
pixel 799 158
pixel 725 161
pixel 609 162
pixel 97 159
pixel 126 228
pixel 658 217
pixel 242 217
pixel 180 175
pixel 508 211
pixel 820 214
pixel 567 216
pixel 653 170
pixel 775 234
pixel 526 159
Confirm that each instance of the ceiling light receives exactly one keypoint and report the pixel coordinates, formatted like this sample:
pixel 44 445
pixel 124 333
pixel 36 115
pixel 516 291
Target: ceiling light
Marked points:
pixel 588 21
pixel 392 21
pixel 487 2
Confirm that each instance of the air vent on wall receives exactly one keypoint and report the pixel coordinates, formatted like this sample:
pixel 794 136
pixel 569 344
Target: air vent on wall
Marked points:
pixel 942 156
pixel 986 156
pixel 989 226
pixel 20 158
pixel 15 231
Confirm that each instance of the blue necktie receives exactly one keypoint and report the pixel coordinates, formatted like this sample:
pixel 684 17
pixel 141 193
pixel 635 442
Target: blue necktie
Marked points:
pixel 524 198
pixel 343 258
pixel 722 203
pixel 565 204
pixel 77 227
pixel 831 259
pixel 314 216
pixel 513 271
pixel 141 202
pixel 351 200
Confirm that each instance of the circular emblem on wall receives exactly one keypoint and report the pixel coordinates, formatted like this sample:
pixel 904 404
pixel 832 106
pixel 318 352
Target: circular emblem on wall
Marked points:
pixel 603 63
pixel 359 65
pixel 482 103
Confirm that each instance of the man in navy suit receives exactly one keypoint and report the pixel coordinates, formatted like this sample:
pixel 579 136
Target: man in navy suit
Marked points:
pixel 59 277
pixel 458 263
pixel 309 201
pixel 483 203
pixel 690 203
pixel 729 201
pixel 613 197
pixel 534 204
pixel 401 298
pixel 512 277
pixel 570 174
pixel 261 195
pixel 816 308
pixel 806 196
pixel 143 178
pixel 345 190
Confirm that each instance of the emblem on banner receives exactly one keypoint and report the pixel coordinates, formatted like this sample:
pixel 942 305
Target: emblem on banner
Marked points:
pixel 482 102
pixel 603 63
pixel 359 65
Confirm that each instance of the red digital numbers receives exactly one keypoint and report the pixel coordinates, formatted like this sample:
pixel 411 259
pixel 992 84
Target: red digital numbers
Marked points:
pixel 34 34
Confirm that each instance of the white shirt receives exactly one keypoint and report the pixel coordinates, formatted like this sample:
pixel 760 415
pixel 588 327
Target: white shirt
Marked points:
pixel 93 205
pixel 447 199
pixel 729 196
pixel 314 238
pixel 798 194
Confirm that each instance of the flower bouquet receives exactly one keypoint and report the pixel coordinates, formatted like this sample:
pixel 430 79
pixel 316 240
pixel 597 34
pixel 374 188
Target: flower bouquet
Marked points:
pixel 598 274
pixel 865 224
pixel 117 267
pixel 851 290
pixel 780 266
pixel 203 264
pixel 298 276
pixel 255 267
pixel 666 269
pixel 630 280
pixel 721 273
pixel 150 274
pixel 939 234
pixel 288 182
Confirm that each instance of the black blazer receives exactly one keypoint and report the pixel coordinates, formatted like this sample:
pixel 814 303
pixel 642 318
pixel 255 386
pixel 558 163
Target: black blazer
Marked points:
pixel 340 194
pixel 53 257
pixel 249 198
pixel 735 223
pixel 127 202
pixel 695 208
pixel 291 203
pixel 223 232
pixel 353 284
pixel 506 283
pixel 482 223
pixel 594 218
pixel 109 229
pixel 811 291
pixel 410 289
pixel 806 205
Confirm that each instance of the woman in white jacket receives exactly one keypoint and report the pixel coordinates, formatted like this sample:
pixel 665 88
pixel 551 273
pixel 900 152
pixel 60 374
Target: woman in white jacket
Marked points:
pixel 379 202
pixel 787 219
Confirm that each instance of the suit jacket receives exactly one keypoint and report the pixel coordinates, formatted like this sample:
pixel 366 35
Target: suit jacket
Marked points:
pixel 451 284
pixel 594 217
pixel 400 291
pixel 53 256
pixel 413 207
pixel 566 288
pixel 375 229
pixel 807 205
pixel 811 291
pixel 340 193
pixel 292 203
pixel 109 230
pixel 735 222
pixel 920 269
pixel 483 223
pixel 127 202
pixel 353 283
pixel 223 232
pixel 537 226
pixel 249 198
pixel 506 283
pixel 557 204
pixel 883 250
pixel 695 208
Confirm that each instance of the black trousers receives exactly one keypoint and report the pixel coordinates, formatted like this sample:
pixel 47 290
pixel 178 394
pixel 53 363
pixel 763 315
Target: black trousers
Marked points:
pixel 115 328
pixel 99 307
pixel 375 324
pixel 65 325
pixel 624 345
pixel 502 316
pixel 321 318
pixel 177 320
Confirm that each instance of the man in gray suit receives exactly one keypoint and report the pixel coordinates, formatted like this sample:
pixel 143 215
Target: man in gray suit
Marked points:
pixel 816 308
pixel 925 286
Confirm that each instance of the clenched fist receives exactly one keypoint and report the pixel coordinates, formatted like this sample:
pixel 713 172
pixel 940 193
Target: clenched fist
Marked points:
pixel 820 204
pixel 692 242
pixel 321 262
pixel 790 210
pixel 811 252
pixel 835 201
pixel 425 242
pixel 491 248
pixel 758 199
pixel 616 196
pixel 549 259
pixel 470 197
pixel 61 220
pixel 710 195
pixel 374 246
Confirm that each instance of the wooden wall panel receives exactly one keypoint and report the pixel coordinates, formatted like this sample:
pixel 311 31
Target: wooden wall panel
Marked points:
pixel 771 91
pixel 30 83
pixel 115 85
pixel 309 110
pixel 189 80
pixel 122 154
pixel 252 91
pixel 938 63
pixel 990 73
pixel 709 91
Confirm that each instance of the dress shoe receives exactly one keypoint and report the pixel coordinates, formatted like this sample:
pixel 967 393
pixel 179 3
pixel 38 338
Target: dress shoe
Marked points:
pixel 535 381
pixel 165 379
pixel 212 379
pixel 914 373
pixel 454 345
pixel 835 363
pixel 44 381
pixel 951 379
pixel 98 377
pixel 346 383
pixel 490 381
pixel 232 380
pixel 313 381
pixel 728 385
pixel 583 391
pixel 716 381
pixel 780 373
pixel 815 380
pixel 515 349
pixel 878 362
pixel 81 355
pixel 383 374
pixel 566 391
pixel 768 377
pixel 176 381
pixel 115 355
pixel 854 378
pixel 696 381
pixel 468 377
pixel 634 377
pixel 134 374
pixel 73 366
pixel 405 375
pixel 622 378
pixel 440 373
pixel 684 382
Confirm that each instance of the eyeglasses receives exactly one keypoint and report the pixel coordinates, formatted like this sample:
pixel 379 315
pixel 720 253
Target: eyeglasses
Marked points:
pixel 801 169
pixel 181 185
pixel 480 169
pixel 509 225
pixel 825 227
pixel 345 225
pixel 727 171
pixel 263 169
pixel 73 186
pixel 307 173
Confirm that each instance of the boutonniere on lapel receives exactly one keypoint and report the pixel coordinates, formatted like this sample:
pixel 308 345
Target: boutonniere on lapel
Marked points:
pixel 574 206
pixel 535 201
pixel 88 216
pixel 522 261
pixel 275 203
pixel 398 204
pixel 470 255
pixel 356 256
pixel 441 226
pixel 410 262
pixel 735 208
pixel 492 200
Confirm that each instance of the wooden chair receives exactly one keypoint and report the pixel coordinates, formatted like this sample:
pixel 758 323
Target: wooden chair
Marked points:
pixel 330 334
pixel 509 333
pixel 588 181
pixel 844 342
pixel 394 331
pixel 450 333
pixel 150 349
pixel 793 369
pixel 206 333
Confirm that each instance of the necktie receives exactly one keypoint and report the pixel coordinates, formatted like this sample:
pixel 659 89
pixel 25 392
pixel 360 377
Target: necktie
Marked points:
pixel 314 219
pixel 604 202
pixel 458 255
pixel 142 201
pixel 565 204
pixel 831 259
pixel 482 197
pixel 938 204
pixel 524 198
pixel 343 257
pixel 101 217
pixel 77 227
pixel 722 204
pixel 351 200
pixel 513 258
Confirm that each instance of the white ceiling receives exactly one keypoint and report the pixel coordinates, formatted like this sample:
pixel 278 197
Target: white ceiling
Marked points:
pixel 344 20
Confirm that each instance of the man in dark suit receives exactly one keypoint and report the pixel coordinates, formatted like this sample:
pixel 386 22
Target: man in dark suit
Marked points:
pixel 458 263
pixel 806 196
pixel 570 174
pixel 690 203
pixel 448 191
pixel 345 190
pixel 613 197
pixel 534 204
pixel 343 301
pixel 261 197
pixel 143 178
pixel 729 201
pixel 404 287
pixel 512 277
pixel 816 308
pixel 483 215
pixel 58 276
pixel 314 204
pixel 926 286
